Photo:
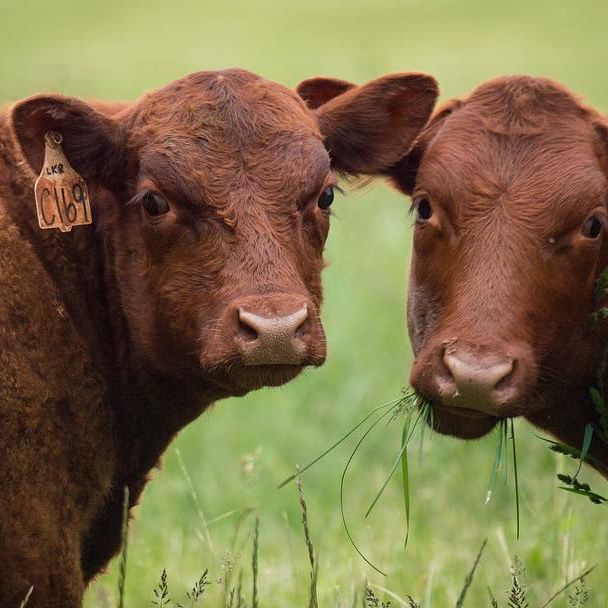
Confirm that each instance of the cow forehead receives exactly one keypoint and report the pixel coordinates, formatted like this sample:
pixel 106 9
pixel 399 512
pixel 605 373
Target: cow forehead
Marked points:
pixel 540 162
pixel 214 133
pixel 192 173
pixel 231 107
pixel 523 105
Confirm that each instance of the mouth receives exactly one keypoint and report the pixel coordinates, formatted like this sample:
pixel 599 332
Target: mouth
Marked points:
pixel 462 422
pixel 238 380
pixel 465 412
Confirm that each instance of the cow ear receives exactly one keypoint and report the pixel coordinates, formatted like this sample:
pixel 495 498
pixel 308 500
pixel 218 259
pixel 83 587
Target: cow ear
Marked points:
pixel 92 141
pixel 600 140
pixel 318 91
pixel 368 128
pixel 404 172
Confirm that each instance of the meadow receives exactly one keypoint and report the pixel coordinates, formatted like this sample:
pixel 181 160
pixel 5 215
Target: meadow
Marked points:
pixel 223 471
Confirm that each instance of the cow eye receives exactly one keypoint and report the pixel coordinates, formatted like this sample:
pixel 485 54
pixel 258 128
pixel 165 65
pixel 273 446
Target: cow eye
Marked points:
pixel 154 204
pixel 326 198
pixel 593 227
pixel 424 211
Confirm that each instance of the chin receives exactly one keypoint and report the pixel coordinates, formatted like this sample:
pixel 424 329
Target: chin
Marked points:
pixel 240 380
pixel 462 423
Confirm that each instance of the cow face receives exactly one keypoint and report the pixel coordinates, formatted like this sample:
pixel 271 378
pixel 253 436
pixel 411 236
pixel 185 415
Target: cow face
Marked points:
pixel 509 196
pixel 219 188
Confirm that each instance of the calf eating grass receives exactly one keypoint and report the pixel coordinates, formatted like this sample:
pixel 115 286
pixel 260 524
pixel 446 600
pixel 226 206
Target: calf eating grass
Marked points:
pixel 198 279
pixel 510 194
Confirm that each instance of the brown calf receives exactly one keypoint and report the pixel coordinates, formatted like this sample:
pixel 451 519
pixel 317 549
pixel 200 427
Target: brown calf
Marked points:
pixel 510 195
pixel 199 279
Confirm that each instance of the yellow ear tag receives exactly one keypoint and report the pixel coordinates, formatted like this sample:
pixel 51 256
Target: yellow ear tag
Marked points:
pixel 62 197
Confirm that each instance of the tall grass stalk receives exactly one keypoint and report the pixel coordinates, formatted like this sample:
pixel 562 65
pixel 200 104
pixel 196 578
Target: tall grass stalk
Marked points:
pixel 567 586
pixel 193 493
pixel 518 591
pixel 469 579
pixel 254 563
pixel 122 570
pixel 313 602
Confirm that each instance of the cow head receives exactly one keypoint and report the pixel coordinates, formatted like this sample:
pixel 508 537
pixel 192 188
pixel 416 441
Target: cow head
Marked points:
pixel 214 195
pixel 510 199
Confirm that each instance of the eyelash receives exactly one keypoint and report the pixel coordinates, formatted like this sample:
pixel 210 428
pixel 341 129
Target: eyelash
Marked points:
pixel 136 200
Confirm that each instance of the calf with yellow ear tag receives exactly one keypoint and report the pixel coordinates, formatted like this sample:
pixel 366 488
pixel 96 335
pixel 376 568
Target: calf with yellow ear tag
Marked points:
pixel 198 278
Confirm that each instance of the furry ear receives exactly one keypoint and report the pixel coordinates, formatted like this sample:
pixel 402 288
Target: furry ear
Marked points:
pixel 368 128
pixel 403 173
pixel 92 141
pixel 318 91
pixel 600 140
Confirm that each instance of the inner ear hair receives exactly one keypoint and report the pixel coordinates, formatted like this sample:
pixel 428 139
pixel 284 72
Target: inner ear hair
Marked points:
pixel 318 91
pixel 600 141
pixel 404 172
pixel 92 142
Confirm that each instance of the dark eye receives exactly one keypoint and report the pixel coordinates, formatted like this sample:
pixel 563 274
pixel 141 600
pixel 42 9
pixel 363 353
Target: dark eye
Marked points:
pixel 154 204
pixel 326 198
pixel 424 211
pixel 593 227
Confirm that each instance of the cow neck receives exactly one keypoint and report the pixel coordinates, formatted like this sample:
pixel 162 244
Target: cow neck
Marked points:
pixel 565 417
pixel 148 409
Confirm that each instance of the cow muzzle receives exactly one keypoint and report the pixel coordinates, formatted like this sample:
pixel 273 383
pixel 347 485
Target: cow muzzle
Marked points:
pixel 265 339
pixel 475 381
pixel 277 339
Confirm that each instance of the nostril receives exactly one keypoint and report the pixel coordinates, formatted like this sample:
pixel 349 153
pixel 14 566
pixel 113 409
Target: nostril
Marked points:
pixel 246 330
pixel 302 328
pixel 508 375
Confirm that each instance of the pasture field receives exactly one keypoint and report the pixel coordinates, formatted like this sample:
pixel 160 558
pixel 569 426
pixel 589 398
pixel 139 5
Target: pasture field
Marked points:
pixel 223 470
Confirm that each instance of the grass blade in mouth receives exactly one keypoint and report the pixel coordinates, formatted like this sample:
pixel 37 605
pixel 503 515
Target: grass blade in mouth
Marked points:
pixel 425 413
pixel 515 476
pixel 498 457
pixel 586 445
pixel 392 404
pixel 501 456
pixel 342 478
pixel 405 439
pixel 405 480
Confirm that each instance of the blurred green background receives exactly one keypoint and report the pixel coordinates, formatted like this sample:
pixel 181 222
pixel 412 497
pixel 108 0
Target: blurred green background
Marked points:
pixel 236 454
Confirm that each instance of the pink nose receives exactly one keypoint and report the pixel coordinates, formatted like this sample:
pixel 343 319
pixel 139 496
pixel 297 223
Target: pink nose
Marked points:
pixel 272 340
pixel 483 383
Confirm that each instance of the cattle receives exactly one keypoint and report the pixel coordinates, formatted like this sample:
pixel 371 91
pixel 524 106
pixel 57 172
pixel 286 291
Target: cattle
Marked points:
pixel 509 192
pixel 198 278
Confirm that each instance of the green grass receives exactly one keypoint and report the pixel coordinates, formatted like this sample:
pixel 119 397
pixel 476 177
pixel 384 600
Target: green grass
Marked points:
pixel 237 453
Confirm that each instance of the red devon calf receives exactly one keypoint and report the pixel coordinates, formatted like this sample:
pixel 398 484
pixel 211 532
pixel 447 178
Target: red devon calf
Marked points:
pixel 510 195
pixel 198 278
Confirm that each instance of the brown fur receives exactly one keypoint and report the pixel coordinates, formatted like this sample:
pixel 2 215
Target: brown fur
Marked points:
pixel 501 268
pixel 115 336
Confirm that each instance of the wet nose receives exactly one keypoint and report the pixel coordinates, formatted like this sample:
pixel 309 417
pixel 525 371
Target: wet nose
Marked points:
pixel 265 339
pixel 480 382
